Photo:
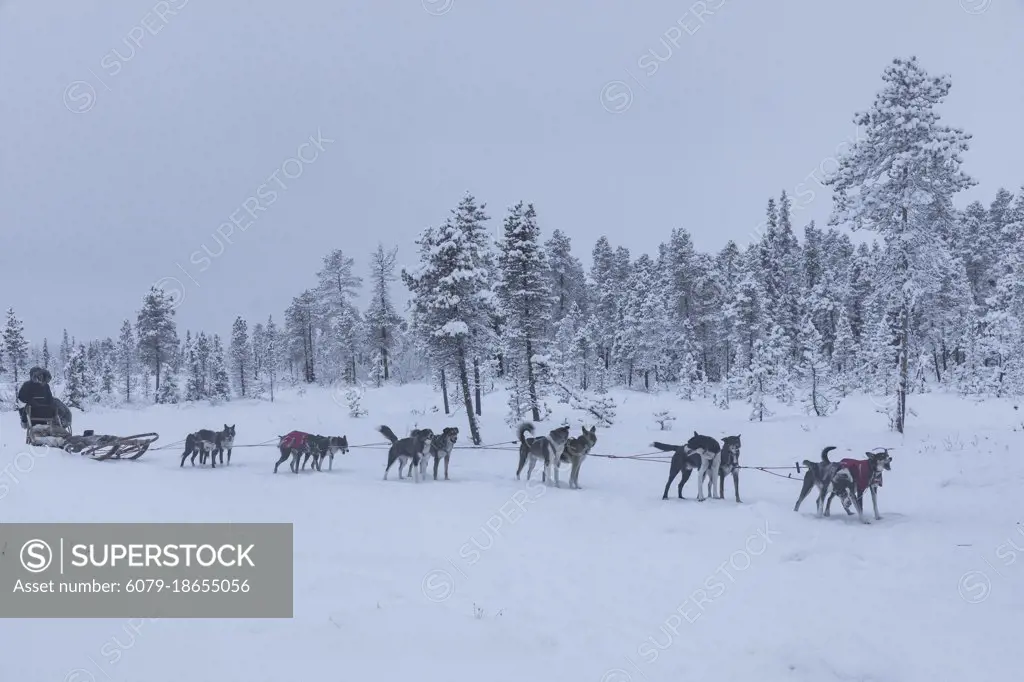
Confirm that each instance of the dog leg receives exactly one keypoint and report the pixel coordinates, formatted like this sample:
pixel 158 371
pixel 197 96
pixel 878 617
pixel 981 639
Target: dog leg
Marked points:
pixel 284 456
pixel 700 479
pixel 736 485
pixel 874 502
pixel 714 469
pixel 446 458
pixel 529 470
pixel 682 481
pixel 805 491
pixel 229 455
pixel 671 475
pixel 437 461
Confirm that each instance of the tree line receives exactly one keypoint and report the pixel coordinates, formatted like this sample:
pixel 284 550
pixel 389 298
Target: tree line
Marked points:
pixel 934 300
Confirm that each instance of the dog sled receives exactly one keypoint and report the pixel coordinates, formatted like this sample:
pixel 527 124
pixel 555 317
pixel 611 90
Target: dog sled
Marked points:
pixel 89 444
pixel 103 447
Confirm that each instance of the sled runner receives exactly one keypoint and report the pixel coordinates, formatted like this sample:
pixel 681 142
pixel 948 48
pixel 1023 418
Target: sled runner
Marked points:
pixel 102 447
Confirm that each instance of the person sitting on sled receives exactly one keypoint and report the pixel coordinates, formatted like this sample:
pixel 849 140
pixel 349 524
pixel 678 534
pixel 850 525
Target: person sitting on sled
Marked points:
pixel 36 394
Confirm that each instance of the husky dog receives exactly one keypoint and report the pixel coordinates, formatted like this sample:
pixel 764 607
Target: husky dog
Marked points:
pixel 208 443
pixel 294 444
pixel 846 479
pixel 413 449
pixel 864 474
pixel 730 464
pixel 548 448
pixel 576 450
pixel 699 453
pixel 226 442
pixel 442 445
pixel 820 475
pixel 323 447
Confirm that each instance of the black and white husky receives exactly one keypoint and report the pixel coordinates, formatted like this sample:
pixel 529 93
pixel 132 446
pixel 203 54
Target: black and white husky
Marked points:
pixel 322 447
pixel 441 446
pixel 576 450
pixel 547 448
pixel 729 466
pixel 209 443
pixel 701 453
pixel 414 449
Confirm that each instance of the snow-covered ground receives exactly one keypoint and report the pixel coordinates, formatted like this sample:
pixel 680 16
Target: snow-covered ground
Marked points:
pixel 487 578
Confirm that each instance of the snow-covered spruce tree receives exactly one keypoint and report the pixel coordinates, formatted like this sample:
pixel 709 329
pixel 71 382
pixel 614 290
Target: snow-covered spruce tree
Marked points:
pixel 844 353
pixel 523 292
pixel 777 355
pixel 271 354
pixel 169 393
pixel 127 349
pixel 605 304
pixel 241 358
pixel 47 361
pixel 640 337
pixel 156 333
pixel 220 383
pixel 816 374
pixel 759 379
pixel 382 319
pixel 340 321
pixel 64 354
pixel 899 181
pixel 567 281
pixel 78 385
pixel 195 377
pixel 300 320
pixel 451 297
pixel 257 361
pixel 15 346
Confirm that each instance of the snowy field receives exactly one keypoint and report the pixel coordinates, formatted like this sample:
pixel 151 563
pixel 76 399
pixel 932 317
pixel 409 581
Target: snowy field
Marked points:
pixel 456 581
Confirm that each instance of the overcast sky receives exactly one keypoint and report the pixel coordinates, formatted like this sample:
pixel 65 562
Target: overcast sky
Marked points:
pixel 131 131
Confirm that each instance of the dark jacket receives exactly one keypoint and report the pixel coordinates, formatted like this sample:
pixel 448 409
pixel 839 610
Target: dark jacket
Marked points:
pixel 37 395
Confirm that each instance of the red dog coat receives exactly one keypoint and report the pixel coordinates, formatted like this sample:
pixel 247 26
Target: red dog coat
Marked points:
pixel 296 440
pixel 861 470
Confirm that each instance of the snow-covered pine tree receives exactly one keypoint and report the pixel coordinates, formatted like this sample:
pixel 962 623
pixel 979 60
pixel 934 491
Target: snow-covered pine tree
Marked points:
pixel 271 354
pixel 759 380
pixel 257 345
pixel 126 360
pixel 194 375
pixel 845 353
pixel 241 357
pixel 15 346
pixel 818 388
pixel 605 298
pixel 78 383
pixel 340 320
pixel 46 359
pixel 567 281
pixel 523 292
pixel 219 381
pixel 382 319
pixel 640 339
pixel 156 333
pixel 300 319
pixel 169 394
pixel 64 354
pixel 899 181
pixel 451 296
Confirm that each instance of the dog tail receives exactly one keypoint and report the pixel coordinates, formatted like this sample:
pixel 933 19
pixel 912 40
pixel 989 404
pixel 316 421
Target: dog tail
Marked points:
pixel 190 442
pixel 524 428
pixel 824 454
pixel 664 447
pixel 388 433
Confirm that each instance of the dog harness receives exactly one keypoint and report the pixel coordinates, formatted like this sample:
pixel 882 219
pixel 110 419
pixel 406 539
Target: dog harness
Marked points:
pixel 862 473
pixel 295 440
